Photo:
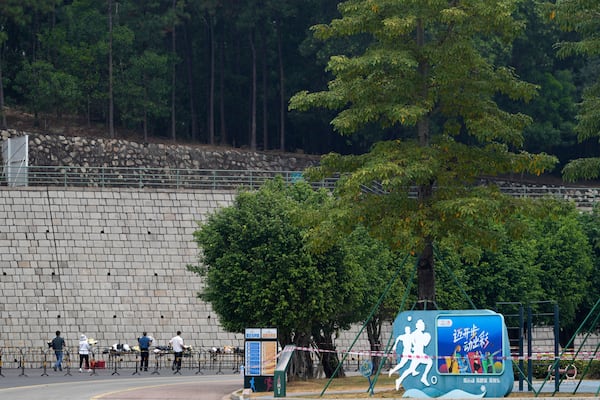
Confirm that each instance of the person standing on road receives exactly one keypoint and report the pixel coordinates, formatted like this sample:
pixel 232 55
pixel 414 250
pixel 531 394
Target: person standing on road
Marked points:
pixel 84 353
pixel 177 345
pixel 57 344
pixel 144 342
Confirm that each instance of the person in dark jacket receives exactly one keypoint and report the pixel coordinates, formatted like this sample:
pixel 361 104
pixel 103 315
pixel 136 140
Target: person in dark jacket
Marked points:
pixel 57 344
pixel 144 341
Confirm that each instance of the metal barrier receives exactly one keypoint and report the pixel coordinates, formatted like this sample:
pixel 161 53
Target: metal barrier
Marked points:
pixel 211 179
pixel 41 359
pixel 155 178
pixel 108 361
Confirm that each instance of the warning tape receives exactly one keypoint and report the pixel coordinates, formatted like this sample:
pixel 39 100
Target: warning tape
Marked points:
pixel 569 356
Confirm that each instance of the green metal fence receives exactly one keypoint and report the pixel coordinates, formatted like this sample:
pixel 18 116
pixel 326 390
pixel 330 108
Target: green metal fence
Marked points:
pixel 154 178
pixel 213 179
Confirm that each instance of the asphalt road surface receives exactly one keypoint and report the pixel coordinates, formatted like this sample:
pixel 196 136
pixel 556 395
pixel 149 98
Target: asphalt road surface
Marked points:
pixel 125 386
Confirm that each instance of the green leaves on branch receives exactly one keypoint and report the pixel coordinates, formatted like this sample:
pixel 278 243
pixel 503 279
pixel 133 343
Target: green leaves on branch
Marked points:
pixel 379 190
pixel 399 82
pixel 582 16
pixel 259 271
pixel 582 168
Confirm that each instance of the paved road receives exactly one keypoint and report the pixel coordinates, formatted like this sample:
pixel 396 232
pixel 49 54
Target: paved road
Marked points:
pixel 125 386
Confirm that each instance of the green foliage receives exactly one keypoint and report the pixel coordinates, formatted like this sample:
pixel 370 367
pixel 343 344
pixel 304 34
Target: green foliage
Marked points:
pixel 425 65
pixel 259 272
pixel 466 58
pixel 376 266
pixel 399 82
pixel 552 260
pixel 564 257
pixel 48 90
pixel 146 84
pixel 458 215
pixel 590 223
pixel 534 58
pixel 581 16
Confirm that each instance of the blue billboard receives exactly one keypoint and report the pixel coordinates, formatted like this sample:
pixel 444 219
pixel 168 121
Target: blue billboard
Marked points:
pixel 452 354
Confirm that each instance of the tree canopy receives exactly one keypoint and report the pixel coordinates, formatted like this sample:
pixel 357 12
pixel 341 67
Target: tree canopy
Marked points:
pixel 222 72
pixel 257 270
pixel 425 75
pixel 582 16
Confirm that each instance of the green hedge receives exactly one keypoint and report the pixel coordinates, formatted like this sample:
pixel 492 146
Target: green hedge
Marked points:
pixel 540 368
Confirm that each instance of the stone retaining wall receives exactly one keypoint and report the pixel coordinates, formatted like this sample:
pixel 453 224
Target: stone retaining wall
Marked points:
pixel 45 150
pixel 106 263
pixel 110 263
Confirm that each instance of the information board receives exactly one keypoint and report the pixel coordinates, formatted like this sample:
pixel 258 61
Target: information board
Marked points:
pixel 260 349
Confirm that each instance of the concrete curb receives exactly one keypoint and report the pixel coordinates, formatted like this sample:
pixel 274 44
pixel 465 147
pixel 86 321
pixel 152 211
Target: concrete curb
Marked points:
pixel 237 395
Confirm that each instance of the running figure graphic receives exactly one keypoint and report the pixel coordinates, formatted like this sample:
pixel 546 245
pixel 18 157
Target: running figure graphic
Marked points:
pixel 406 340
pixel 414 344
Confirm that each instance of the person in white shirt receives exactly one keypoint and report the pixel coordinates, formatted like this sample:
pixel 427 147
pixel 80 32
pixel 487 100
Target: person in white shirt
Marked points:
pixel 177 345
pixel 84 352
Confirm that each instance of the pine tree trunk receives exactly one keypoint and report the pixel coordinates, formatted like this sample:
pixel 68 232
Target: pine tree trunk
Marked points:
pixel 173 81
pixel 253 95
pixel 265 93
pixel 426 279
pixel 224 138
pixel 211 95
pixel 190 78
pixel 111 106
pixel 282 109
pixel 3 123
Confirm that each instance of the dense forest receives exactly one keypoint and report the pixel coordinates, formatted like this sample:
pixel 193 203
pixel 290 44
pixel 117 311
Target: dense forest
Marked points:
pixel 222 72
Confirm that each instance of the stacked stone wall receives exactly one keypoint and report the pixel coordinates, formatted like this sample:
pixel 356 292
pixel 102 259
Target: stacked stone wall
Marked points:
pixel 106 263
pixel 75 151
pixel 111 263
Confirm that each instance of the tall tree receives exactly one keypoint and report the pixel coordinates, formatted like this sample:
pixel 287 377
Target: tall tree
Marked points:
pixel 111 100
pixel 564 256
pixel 77 45
pixel 534 58
pixel 19 13
pixel 424 75
pixel 253 253
pixel 376 266
pixel 582 17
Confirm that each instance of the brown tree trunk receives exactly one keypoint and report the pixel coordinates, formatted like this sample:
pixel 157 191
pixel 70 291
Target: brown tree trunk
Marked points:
pixel 374 336
pixel 282 100
pixel 253 95
pixel 111 106
pixel 145 120
pixel 425 271
pixel 426 279
pixel 211 94
pixel 224 137
pixel 301 365
pixel 329 357
pixel 265 93
pixel 173 80
pixel 3 123
pixel 190 79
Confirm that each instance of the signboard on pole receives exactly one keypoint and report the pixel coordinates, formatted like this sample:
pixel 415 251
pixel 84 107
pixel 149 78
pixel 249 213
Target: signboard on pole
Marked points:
pixel 260 349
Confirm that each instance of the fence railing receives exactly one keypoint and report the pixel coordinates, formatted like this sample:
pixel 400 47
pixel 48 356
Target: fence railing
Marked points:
pixel 160 360
pixel 104 360
pixel 156 178
pixel 212 179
